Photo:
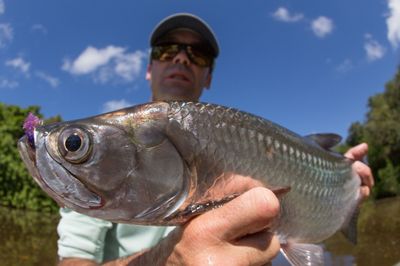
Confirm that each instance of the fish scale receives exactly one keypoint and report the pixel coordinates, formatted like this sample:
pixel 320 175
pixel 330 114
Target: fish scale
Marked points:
pixel 279 168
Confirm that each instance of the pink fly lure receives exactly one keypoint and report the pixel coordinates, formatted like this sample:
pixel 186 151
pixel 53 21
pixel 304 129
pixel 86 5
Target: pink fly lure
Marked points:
pixel 30 123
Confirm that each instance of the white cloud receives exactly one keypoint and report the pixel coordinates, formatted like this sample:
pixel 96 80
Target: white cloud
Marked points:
pixel 282 14
pixel 373 48
pixel 108 64
pixel 6 83
pixel 91 59
pixel 345 66
pixel 2 7
pixel 20 64
pixel 52 81
pixel 115 105
pixel 6 34
pixel 104 74
pixel 129 66
pixel 393 23
pixel 39 28
pixel 322 26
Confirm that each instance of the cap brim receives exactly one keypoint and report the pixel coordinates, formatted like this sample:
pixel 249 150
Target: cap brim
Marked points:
pixel 189 21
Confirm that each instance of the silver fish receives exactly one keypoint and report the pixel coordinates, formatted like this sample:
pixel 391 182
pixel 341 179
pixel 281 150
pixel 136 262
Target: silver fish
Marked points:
pixel 164 162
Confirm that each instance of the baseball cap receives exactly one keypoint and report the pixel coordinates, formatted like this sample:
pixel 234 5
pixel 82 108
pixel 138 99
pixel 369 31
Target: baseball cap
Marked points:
pixel 188 21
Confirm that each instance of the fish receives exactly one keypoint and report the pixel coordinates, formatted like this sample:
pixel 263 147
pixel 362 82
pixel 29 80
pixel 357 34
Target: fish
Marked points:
pixel 163 163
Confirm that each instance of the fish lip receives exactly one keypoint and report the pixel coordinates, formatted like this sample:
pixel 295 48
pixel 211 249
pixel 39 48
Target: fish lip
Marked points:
pixel 28 155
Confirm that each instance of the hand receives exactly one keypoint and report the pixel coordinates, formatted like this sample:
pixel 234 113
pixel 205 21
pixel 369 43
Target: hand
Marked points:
pixel 367 180
pixel 234 234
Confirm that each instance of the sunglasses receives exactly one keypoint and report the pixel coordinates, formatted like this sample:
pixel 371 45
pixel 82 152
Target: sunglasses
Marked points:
pixel 196 54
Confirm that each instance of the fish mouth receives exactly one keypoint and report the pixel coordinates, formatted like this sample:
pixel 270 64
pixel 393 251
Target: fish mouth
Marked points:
pixel 28 156
pixel 54 179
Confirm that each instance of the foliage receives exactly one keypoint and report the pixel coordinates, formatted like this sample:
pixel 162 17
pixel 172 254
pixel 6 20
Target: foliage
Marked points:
pixel 17 188
pixel 381 130
pixel 389 185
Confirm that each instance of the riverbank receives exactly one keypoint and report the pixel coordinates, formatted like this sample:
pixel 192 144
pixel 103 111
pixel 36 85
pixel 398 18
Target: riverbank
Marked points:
pixel 27 238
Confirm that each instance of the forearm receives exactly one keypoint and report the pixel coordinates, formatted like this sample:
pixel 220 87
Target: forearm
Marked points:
pixel 136 259
pixel 157 256
pixel 76 262
pixel 234 234
pixel 161 254
pixel 129 260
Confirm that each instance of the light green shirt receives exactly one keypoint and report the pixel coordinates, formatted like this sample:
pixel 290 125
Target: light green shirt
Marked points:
pixel 81 236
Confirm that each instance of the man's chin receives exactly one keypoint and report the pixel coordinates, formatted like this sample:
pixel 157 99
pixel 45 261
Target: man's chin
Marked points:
pixel 176 98
pixel 176 94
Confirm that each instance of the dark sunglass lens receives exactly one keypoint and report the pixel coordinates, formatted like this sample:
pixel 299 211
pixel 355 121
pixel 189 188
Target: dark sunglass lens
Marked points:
pixel 164 52
pixel 199 56
pixel 169 52
pixel 155 53
pixel 196 54
pixel 200 61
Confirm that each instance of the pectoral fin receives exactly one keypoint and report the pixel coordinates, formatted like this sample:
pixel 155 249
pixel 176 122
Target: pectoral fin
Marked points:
pixel 280 191
pixel 299 254
pixel 195 209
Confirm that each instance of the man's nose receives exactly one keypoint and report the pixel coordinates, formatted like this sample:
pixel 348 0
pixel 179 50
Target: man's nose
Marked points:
pixel 181 58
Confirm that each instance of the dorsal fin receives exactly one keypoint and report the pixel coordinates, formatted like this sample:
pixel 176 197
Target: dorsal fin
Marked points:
pixel 325 140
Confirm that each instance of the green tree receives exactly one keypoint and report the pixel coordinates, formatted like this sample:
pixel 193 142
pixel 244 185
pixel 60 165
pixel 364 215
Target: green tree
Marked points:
pixel 355 134
pixel 382 132
pixel 17 188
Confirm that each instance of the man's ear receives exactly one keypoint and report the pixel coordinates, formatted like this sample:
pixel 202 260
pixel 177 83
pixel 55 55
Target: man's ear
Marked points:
pixel 148 72
pixel 208 81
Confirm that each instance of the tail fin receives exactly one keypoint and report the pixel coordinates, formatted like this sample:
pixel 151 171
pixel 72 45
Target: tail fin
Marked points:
pixel 349 229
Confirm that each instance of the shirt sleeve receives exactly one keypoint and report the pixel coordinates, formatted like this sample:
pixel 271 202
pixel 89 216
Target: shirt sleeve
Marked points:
pixel 81 236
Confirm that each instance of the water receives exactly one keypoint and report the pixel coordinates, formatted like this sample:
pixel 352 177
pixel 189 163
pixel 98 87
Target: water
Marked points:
pixel 378 238
pixel 29 238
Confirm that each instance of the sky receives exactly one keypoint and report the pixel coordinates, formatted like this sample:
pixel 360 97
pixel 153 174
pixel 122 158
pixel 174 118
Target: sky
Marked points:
pixel 309 66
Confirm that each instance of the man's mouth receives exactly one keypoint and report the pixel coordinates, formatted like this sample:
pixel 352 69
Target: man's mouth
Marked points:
pixel 179 76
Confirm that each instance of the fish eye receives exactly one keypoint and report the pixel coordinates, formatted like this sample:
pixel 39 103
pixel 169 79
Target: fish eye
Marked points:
pixel 74 144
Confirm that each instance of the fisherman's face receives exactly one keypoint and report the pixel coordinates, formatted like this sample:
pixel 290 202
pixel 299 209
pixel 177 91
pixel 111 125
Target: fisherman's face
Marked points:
pixel 178 78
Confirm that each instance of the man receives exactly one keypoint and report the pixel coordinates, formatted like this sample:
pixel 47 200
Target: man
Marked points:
pixel 184 49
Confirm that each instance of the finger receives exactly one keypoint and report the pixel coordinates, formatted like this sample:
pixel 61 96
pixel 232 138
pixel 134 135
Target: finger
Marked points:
pixel 248 213
pixel 364 192
pixel 259 248
pixel 263 241
pixel 357 152
pixel 365 173
pixel 260 240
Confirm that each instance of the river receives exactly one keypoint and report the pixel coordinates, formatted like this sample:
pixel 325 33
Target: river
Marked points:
pixel 29 238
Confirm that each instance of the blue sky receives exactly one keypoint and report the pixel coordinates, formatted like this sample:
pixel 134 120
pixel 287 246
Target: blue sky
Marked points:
pixel 308 65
